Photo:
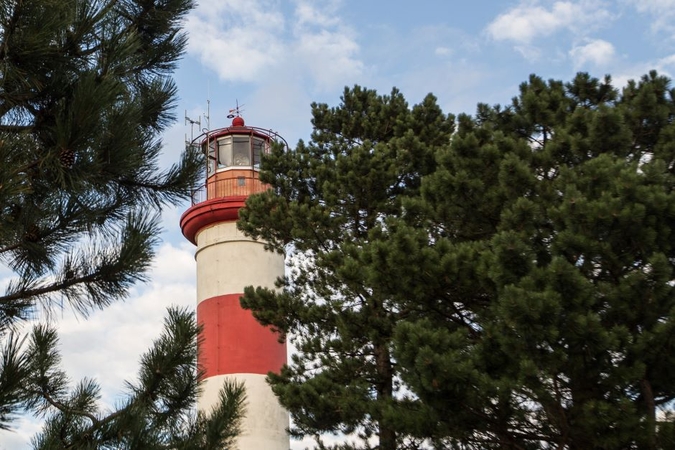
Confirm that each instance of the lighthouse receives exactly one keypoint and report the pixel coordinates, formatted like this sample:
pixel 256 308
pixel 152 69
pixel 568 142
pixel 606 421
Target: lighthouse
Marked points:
pixel 235 346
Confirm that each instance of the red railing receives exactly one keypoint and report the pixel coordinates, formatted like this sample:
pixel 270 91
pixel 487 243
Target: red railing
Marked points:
pixel 228 187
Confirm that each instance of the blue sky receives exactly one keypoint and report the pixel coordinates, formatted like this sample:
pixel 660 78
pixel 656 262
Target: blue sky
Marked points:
pixel 276 57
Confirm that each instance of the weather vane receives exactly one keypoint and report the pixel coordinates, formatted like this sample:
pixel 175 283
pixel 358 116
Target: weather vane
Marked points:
pixel 236 112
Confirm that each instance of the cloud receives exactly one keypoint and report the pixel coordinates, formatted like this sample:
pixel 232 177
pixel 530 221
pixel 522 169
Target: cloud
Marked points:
pixel 174 265
pixel 238 40
pixel 529 52
pixel 23 429
pixel 252 41
pixel 108 344
pixel 285 104
pixel 443 51
pixel 662 12
pixel 324 45
pixel 529 20
pixel 596 52
pixel 329 58
pixel 654 6
pixel 307 13
pixel 664 66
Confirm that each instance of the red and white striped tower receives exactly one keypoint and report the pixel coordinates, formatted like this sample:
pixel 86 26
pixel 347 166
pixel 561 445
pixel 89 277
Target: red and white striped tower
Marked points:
pixel 235 346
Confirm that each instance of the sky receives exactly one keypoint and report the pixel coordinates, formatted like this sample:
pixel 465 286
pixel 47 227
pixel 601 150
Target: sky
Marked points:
pixel 276 57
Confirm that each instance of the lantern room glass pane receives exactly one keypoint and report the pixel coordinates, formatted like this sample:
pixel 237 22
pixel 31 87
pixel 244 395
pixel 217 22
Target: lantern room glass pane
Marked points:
pixel 258 149
pixel 225 152
pixel 241 151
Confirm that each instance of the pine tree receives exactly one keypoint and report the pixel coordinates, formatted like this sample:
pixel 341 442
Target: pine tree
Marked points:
pixel 331 199
pixel 158 411
pixel 505 286
pixel 550 222
pixel 85 91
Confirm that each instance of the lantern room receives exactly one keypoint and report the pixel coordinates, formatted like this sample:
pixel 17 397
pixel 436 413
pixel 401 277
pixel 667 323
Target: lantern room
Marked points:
pixel 233 157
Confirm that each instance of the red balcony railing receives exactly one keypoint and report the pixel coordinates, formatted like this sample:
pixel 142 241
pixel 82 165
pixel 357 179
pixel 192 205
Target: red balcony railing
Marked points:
pixel 230 185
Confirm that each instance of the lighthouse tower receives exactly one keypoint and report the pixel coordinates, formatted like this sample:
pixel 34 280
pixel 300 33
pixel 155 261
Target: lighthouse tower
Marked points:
pixel 235 346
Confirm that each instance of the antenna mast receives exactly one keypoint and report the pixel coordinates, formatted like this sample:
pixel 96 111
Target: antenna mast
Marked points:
pixel 192 123
pixel 207 115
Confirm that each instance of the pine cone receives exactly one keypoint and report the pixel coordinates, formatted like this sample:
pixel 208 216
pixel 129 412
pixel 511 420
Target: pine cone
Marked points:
pixel 67 158
pixel 32 234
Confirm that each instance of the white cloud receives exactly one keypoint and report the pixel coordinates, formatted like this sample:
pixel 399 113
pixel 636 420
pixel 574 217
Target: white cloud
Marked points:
pixel 174 265
pixel 240 41
pixel 250 41
pixel 325 15
pixel 108 345
pixel 443 51
pixel 529 20
pixel 285 104
pixel 596 52
pixel 654 6
pixel 664 66
pixel 529 52
pixel 19 436
pixel 329 58
pixel 324 45
pixel 662 12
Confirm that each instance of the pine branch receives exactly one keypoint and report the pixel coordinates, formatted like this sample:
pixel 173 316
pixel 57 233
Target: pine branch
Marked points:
pixel 10 248
pixel 64 408
pixel 13 370
pixel 51 288
pixel 152 416
pixel 8 32
pixel 16 128
pixel 113 269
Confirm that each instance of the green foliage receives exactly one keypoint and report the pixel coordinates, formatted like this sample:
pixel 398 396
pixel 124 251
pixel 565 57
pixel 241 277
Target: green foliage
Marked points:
pixel 85 92
pixel 157 412
pixel 568 343
pixel 514 290
pixel 332 198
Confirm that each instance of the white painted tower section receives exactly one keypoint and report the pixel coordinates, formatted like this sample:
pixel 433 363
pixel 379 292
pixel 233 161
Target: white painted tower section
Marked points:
pixel 227 262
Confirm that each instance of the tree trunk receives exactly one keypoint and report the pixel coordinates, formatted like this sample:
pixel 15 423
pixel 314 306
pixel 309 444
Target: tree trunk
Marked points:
pixel 385 393
pixel 650 407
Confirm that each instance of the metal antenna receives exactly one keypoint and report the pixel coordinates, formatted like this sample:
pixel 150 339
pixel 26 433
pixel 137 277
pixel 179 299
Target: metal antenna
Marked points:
pixel 207 116
pixel 192 123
